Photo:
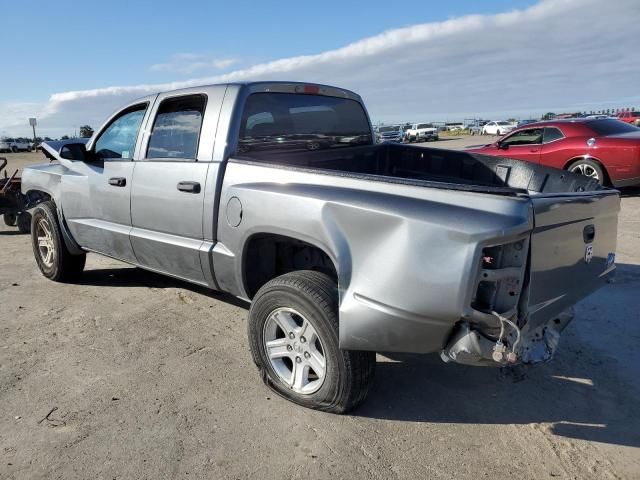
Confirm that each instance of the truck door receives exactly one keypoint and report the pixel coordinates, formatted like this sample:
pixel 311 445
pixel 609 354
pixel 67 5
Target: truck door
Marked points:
pixel 95 199
pixel 170 181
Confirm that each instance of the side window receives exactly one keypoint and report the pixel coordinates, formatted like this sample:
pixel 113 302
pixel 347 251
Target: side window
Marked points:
pixel 551 134
pixel 176 129
pixel 118 140
pixel 530 136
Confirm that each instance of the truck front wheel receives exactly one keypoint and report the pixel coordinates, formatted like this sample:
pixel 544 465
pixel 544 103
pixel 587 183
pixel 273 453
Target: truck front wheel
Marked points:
pixel 52 256
pixel 293 334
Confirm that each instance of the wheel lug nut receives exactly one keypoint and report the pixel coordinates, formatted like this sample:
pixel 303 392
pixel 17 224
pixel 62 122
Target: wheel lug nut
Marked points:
pixel 306 355
pixel 298 359
pixel 292 335
pixel 302 339
pixel 289 347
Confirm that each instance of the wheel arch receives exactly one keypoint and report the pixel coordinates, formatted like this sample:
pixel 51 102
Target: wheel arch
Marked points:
pixel 38 196
pixel 267 255
pixel 568 163
pixel 35 196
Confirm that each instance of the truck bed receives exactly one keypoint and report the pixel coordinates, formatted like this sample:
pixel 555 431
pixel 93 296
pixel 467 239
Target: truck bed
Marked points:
pixel 432 167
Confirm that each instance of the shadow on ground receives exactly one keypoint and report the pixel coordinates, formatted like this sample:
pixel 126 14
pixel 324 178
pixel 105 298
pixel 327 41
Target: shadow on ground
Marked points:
pixel 132 277
pixel 578 393
pixel 630 192
pixel 582 393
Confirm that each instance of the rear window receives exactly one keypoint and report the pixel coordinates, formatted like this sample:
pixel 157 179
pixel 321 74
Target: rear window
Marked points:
pixel 611 127
pixel 291 121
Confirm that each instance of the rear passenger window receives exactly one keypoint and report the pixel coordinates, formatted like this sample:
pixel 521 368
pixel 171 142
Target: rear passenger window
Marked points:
pixel 176 129
pixel 552 134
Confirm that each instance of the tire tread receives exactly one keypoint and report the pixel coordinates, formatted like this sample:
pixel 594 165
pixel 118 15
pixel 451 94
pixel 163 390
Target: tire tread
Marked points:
pixel 320 289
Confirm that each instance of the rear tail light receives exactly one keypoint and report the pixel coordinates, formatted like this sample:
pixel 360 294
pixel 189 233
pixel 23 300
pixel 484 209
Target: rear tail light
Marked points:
pixel 310 89
pixel 500 277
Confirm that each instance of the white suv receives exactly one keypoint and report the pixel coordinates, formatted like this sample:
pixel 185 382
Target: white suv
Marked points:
pixel 497 128
pixel 14 145
pixel 419 132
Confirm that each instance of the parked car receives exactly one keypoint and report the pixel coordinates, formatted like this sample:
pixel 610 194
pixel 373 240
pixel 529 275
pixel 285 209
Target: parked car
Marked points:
pixel 421 132
pixel 454 126
pixel 497 128
pixel 14 145
pixel 342 251
pixel 630 117
pixel 389 133
pixel 475 127
pixel 606 150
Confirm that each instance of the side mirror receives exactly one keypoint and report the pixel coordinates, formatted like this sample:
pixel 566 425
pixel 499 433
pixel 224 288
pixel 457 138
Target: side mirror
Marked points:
pixel 75 152
pixel 502 146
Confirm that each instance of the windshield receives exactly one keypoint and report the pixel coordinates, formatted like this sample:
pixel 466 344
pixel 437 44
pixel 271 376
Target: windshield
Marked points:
pixel 292 121
pixel 611 127
pixel 425 125
pixel 391 128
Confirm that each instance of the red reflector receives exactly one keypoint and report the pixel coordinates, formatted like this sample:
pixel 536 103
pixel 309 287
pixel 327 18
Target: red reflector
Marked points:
pixel 311 89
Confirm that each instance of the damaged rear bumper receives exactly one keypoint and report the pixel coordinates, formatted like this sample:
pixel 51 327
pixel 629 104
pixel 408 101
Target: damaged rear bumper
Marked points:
pixel 469 346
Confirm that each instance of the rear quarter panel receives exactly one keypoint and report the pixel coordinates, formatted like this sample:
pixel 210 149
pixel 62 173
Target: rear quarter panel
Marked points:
pixel 405 255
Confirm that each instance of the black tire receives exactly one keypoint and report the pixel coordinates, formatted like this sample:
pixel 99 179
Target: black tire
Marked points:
pixel 14 149
pixel 585 165
pixel 10 219
pixel 24 222
pixel 348 373
pixel 63 266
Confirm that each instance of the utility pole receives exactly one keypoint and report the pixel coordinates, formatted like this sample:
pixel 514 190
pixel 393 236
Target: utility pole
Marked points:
pixel 32 122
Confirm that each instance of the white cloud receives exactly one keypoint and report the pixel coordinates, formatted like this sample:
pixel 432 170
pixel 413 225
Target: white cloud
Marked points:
pixel 556 55
pixel 190 63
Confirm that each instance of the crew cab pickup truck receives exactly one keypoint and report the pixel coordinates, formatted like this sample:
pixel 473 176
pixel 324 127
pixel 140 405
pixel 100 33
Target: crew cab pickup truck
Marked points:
pixel 344 250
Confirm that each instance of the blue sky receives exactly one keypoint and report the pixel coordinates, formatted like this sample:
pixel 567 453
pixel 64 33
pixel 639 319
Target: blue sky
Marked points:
pixel 79 45
pixel 74 62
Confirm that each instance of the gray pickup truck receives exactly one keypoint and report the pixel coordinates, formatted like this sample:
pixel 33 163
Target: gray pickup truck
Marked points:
pixel 278 194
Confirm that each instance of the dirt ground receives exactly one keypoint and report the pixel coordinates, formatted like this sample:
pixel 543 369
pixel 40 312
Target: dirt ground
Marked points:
pixel 132 375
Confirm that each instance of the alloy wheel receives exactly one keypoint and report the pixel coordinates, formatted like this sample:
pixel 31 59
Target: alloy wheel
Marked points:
pixel 46 247
pixel 586 170
pixel 295 350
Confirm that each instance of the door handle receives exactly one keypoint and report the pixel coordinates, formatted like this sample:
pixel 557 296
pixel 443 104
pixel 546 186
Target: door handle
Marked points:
pixel 534 150
pixel 189 187
pixel 118 181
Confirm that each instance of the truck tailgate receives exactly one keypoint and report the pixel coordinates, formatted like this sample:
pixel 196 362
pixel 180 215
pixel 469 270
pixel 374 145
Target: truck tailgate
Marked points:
pixel 573 248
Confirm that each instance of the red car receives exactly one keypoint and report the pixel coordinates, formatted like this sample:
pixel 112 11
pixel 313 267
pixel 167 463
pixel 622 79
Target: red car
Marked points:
pixel 630 117
pixel 605 149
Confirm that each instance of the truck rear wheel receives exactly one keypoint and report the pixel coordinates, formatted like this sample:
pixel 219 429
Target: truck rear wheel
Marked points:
pixel 293 334
pixel 52 256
